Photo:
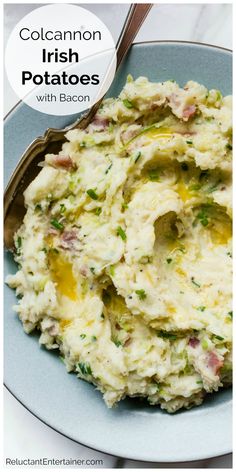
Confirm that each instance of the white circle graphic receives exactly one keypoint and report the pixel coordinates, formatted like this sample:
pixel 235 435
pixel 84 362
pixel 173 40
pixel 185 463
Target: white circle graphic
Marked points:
pixel 60 59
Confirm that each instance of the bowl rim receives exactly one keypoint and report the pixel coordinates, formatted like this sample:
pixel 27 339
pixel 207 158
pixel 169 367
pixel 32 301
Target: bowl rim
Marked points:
pixel 120 457
pixel 116 456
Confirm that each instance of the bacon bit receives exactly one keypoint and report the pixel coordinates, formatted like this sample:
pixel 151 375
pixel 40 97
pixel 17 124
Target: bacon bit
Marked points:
pixel 65 162
pixel 84 271
pixel 174 100
pixel 189 111
pixel 99 123
pixel 154 106
pixel 53 330
pixel 68 239
pixel 118 326
pixel 127 342
pixel 128 135
pixel 186 133
pixel 52 231
pixel 214 362
pixel 193 342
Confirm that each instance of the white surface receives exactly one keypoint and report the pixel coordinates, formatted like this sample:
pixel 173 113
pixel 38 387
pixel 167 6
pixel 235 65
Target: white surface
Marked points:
pixel 25 435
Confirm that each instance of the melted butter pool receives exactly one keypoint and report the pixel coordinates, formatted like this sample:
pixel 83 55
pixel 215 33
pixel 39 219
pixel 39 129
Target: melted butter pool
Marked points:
pixel 62 275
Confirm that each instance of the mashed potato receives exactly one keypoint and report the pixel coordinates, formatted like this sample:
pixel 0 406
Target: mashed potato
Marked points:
pixel 124 254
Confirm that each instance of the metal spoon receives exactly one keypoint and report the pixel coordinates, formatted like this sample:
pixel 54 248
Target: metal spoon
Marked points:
pixel 51 142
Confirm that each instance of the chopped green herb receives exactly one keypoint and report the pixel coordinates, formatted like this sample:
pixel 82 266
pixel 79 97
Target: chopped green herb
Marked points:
pixel 195 283
pixel 195 187
pixel 204 221
pixel 85 368
pixel 109 167
pixel 71 186
pixel 153 175
pixel 56 224
pixel 98 211
pixel 209 118
pixel 189 141
pixel 83 336
pixel 44 249
pixel 204 344
pixel 184 166
pixel 92 194
pixel 218 95
pixel 218 337
pixel 62 359
pixel 203 218
pixel 102 316
pixel 129 78
pixel 167 335
pixel 19 243
pixel 74 181
pixel 230 313
pixel 62 208
pixel 127 103
pixel 71 199
pixel 141 294
pixel 213 188
pixel 169 260
pixel 229 254
pixel 229 147
pixel 199 382
pixel 188 369
pixel 117 342
pixel 138 155
pixel 201 308
pixel 94 338
pixel 112 270
pixel 38 207
pixel 121 233
pixel 92 270
pixel 82 144
pixel 110 128
pixel 54 249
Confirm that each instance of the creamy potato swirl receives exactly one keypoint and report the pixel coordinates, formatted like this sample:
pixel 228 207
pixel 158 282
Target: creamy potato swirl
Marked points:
pixel 125 250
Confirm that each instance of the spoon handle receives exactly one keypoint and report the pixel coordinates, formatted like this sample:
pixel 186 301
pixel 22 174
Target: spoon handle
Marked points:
pixel 136 16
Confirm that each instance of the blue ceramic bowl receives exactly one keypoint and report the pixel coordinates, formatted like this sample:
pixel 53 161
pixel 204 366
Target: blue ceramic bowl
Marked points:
pixel 38 378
